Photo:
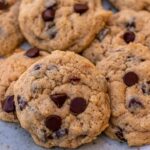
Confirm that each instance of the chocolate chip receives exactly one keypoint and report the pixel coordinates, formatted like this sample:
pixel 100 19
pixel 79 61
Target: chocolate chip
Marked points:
pixel 103 33
pixel 53 122
pixel 50 137
pixel 59 99
pixel 129 37
pixel 107 78
pixel 60 133
pixel 134 104
pixel 74 80
pixel 146 87
pixel 33 52
pixel 52 32
pixel 130 25
pixel 130 78
pixel 48 14
pixel 120 135
pixel 80 8
pixel 9 105
pixel 37 67
pixel 78 105
pixel 21 102
pixel 142 60
pixel 3 4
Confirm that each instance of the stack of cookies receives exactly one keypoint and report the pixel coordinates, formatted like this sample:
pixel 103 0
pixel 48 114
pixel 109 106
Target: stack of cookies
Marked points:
pixel 85 73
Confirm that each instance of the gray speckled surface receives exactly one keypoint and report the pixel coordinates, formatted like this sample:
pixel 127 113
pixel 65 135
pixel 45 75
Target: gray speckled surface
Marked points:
pixel 13 137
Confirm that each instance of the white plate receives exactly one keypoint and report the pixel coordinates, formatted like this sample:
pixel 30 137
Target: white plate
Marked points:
pixel 13 137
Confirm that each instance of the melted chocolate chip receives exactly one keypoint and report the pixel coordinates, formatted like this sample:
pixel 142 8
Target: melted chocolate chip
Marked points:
pixel 53 122
pixel 78 105
pixel 21 102
pixel 120 135
pixel 59 99
pixel 135 104
pixel 49 14
pixel 103 33
pixel 130 78
pixel 33 52
pixel 3 4
pixel 129 36
pixel 9 105
pixel 80 8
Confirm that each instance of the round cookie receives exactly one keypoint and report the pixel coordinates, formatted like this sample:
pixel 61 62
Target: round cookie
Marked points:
pixel 61 24
pixel 132 4
pixel 128 78
pixel 124 27
pixel 10 34
pixel 10 70
pixel 65 99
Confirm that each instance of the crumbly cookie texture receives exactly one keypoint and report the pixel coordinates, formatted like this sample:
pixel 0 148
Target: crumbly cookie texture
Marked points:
pixel 124 27
pixel 132 4
pixel 61 24
pixel 10 70
pixel 10 34
pixel 65 99
pixel 129 87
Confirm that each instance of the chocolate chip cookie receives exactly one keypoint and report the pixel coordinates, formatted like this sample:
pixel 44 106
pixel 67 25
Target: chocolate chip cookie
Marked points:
pixel 124 27
pixel 10 34
pixel 132 4
pixel 65 98
pixel 129 87
pixel 61 24
pixel 10 70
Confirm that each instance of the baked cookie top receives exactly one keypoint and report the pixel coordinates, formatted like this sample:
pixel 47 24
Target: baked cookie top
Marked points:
pixel 61 24
pixel 128 78
pixel 10 70
pixel 65 99
pixel 124 27
pixel 132 4
pixel 10 34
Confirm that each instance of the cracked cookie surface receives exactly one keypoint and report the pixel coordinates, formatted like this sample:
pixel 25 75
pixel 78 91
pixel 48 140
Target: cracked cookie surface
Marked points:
pixel 65 99
pixel 61 24
pixel 124 27
pixel 128 78
pixel 10 34
pixel 10 70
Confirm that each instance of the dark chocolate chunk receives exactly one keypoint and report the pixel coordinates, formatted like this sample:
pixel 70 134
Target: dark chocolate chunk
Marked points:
pixel 135 104
pixel 80 8
pixel 78 105
pixel 33 52
pixel 3 4
pixel 74 80
pixel 53 122
pixel 120 135
pixel 48 14
pixel 9 105
pixel 129 36
pixel 59 99
pixel 130 78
